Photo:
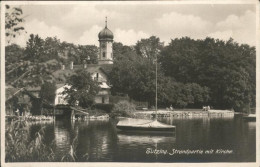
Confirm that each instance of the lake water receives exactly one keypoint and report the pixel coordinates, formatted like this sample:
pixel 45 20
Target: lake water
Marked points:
pixel 200 139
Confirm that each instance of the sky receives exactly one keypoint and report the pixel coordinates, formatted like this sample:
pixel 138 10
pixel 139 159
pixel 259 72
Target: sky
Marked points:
pixel 81 23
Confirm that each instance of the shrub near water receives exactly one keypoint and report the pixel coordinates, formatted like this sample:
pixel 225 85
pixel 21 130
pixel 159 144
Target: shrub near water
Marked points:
pixel 19 148
pixel 123 109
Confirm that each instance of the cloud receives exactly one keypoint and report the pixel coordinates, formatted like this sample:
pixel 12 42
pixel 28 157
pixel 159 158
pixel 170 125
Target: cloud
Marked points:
pixel 238 22
pixel 90 37
pixel 179 25
pixel 129 37
pixel 241 28
pixel 81 24
pixel 84 16
pixel 42 29
pixel 224 35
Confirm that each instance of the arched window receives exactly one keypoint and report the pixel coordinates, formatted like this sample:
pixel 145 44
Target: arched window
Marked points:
pixel 104 54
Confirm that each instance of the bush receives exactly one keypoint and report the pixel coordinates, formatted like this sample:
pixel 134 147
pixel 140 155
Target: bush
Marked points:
pixel 123 109
pixel 105 107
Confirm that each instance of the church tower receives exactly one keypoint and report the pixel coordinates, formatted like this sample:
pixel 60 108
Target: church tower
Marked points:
pixel 105 46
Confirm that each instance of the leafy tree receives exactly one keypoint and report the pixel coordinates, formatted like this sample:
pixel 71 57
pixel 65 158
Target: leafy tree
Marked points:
pixel 135 76
pixel 121 51
pixel 149 48
pixel 82 89
pixel 14 54
pixel 37 64
pixel 13 21
pixel 14 64
pixel 51 49
pixel 89 53
pixel 69 52
pixel 180 95
pixel 226 68
pixel 34 48
pixel 47 92
pixel 180 60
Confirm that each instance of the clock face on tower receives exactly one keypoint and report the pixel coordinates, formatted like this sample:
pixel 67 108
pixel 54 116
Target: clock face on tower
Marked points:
pixel 103 46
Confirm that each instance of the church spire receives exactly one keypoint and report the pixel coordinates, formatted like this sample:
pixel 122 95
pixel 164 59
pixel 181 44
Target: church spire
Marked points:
pixel 106 21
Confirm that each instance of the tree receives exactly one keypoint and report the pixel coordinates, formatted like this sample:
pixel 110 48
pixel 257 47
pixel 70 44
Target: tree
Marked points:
pixel 88 53
pixel 82 89
pixel 180 60
pixel 227 69
pixel 34 48
pixel 149 47
pixel 123 109
pixel 13 21
pixel 47 92
pixel 135 76
pixel 121 51
pixel 51 49
pixel 14 54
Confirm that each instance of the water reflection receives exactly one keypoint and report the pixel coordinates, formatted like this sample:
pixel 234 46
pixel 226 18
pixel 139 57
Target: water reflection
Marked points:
pixel 96 140
pixel 142 139
pixel 99 141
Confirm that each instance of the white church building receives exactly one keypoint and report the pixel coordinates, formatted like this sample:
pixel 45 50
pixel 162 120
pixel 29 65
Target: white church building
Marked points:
pixel 98 71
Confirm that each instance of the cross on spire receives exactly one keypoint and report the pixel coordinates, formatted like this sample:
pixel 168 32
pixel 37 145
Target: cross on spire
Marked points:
pixel 106 21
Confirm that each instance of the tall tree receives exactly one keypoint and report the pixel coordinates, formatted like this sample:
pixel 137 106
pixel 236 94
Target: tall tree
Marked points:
pixel 51 49
pixel 149 47
pixel 34 48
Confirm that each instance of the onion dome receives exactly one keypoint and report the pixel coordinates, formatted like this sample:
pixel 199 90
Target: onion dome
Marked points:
pixel 105 34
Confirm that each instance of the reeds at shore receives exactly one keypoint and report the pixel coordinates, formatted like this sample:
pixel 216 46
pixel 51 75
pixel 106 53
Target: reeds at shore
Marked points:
pixel 20 146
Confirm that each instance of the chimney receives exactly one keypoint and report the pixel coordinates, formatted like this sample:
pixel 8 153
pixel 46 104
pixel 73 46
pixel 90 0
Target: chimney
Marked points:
pixel 63 67
pixel 71 65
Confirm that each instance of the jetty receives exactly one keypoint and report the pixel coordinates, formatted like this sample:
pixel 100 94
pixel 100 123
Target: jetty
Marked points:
pixel 187 113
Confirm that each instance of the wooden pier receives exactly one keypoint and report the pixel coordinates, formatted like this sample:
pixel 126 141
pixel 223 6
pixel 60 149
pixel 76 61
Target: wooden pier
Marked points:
pixel 188 113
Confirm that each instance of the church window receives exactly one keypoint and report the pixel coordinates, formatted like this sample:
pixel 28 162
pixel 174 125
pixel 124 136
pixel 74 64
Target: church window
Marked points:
pixel 104 54
pixel 103 99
